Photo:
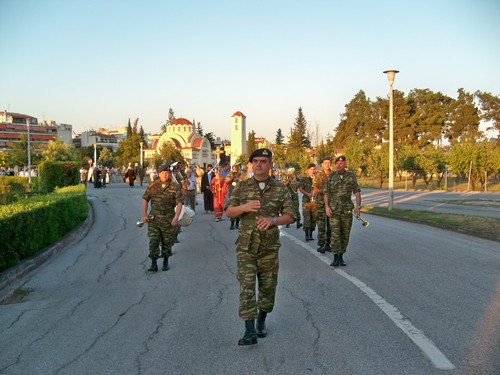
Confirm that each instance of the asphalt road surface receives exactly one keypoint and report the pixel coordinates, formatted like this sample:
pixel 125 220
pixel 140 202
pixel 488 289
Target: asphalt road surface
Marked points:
pixel 412 300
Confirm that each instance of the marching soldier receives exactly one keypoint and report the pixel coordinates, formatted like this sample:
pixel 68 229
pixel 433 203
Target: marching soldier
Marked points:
pixel 164 195
pixel 339 187
pixel 324 232
pixel 308 203
pixel 290 181
pixel 259 201
pixel 231 180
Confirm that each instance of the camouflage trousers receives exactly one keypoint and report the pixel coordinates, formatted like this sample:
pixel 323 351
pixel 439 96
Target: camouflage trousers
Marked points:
pixel 340 224
pixel 262 266
pixel 324 231
pixel 309 214
pixel 161 232
pixel 294 197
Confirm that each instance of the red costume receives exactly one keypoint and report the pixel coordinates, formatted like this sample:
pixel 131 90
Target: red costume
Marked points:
pixel 219 189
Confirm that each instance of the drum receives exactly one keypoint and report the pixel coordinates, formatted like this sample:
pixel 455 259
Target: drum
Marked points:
pixel 186 216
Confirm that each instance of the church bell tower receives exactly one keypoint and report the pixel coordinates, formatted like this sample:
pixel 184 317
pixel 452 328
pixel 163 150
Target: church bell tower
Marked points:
pixel 238 136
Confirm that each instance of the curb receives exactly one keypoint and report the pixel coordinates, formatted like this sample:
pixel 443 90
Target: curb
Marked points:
pixel 9 279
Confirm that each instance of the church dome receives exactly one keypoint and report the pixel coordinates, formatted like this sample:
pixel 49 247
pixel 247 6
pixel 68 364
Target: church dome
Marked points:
pixel 180 121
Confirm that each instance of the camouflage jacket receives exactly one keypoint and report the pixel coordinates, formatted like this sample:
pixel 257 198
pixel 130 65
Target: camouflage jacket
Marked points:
pixel 274 200
pixel 306 183
pixel 318 182
pixel 163 199
pixel 340 190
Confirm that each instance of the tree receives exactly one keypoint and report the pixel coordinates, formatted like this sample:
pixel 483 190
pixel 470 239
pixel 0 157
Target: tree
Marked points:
pixel 429 115
pixel 464 119
pixel 357 121
pixel 171 117
pixel 58 151
pixel 279 137
pixel 211 138
pixel 299 135
pixel 129 129
pixel 325 149
pixel 106 158
pixel 169 153
pixel 480 158
pixel 142 135
pixel 358 154
pixel 298 144
pixel 490 108
pixel 251 144
pixel 199 129
pixel 134 129
pixel 19 153
pixel 378 163
pixel 128 151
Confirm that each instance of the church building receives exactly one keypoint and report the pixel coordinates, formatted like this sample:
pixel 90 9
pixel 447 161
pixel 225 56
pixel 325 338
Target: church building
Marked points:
pixel 197 149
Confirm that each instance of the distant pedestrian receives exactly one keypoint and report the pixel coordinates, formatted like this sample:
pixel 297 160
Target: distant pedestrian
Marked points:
pixel 190 199
pixel 208 197
pixel 130 175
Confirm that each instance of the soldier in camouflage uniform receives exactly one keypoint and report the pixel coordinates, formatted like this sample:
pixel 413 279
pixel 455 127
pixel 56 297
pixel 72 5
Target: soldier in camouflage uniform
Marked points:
pixel 166 205
pixel 259 201
pixel 308 203
pixel 339 187
pixel 231 180
pixel 324 232
pixel 290 181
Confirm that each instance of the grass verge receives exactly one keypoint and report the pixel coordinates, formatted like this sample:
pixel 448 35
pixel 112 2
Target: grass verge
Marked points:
pixel 484 227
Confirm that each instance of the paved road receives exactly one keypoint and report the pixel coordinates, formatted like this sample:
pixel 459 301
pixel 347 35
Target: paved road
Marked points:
pixel 412 300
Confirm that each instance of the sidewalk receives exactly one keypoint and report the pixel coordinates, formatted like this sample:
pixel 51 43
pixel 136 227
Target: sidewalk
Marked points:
pixel 471 204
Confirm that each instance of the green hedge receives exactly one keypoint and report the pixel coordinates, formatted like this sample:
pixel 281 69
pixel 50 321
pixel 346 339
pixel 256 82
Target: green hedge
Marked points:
pixel 28 227
pixel 57 174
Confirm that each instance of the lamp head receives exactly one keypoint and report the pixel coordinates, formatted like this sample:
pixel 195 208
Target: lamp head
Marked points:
pixel 391 75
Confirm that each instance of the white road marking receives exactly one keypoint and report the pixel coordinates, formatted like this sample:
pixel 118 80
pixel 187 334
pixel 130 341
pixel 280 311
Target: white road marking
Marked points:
pixel 437 358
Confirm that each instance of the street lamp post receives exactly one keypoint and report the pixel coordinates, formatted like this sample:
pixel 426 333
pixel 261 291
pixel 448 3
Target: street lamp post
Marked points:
pixel 95 154
pixel 141 154
pixel 29 150
pixel 390 75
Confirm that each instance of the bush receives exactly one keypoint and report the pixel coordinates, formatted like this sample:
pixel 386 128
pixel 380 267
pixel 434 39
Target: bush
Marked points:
pixel 57 174
pixel 37 222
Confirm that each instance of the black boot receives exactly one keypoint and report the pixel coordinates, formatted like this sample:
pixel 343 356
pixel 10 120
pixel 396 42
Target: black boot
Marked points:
pixel 154 266
pixel 237 223
pixel 306 232
pixel 250 336
pixel 165 264
pixel 311 235
pixel 299 224
pixel 260 327
pixel 321 249
pixel 341 261
pixel 232 224
pixel 336 260
pixel 328 248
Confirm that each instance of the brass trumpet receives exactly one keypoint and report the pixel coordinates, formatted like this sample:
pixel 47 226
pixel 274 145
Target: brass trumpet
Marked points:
pixel 364 222
pixel 140 222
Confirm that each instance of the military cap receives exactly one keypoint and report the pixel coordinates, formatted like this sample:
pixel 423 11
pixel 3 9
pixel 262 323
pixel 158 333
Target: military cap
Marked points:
pixel 163 167
pixel 261 152
pixel 326 158
pixel 340 158
pixel 310 165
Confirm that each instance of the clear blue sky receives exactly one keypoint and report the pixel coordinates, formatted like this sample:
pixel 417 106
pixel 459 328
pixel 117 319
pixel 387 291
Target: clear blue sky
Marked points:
pixel 96 63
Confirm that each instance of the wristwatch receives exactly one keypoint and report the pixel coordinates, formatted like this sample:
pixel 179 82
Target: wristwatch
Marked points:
pixel 275 220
